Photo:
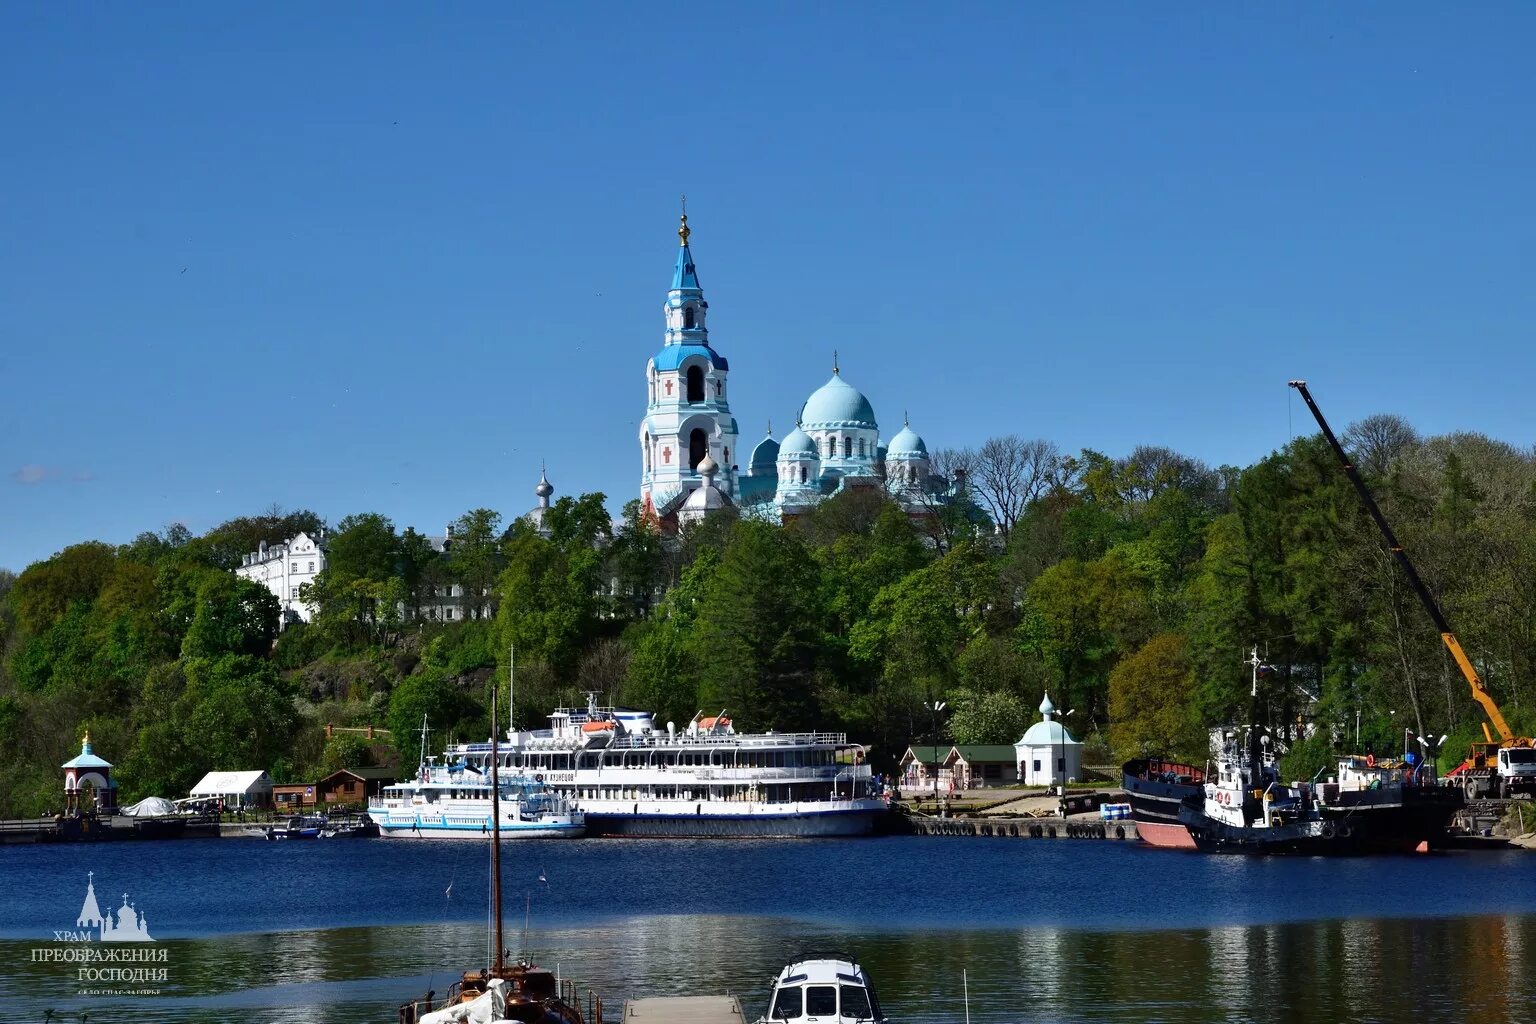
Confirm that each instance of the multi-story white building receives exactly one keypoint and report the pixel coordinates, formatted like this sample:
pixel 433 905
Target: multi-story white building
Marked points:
pixel 283 569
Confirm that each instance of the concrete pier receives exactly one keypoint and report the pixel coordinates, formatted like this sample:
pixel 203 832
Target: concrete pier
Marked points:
pixel 1024 828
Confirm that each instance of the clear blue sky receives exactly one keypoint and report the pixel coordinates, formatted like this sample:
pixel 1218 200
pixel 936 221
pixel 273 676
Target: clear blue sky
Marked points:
pixel 386 257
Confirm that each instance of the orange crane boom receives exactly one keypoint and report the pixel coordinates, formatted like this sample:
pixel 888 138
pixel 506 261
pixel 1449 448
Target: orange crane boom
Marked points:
pixel 1479 688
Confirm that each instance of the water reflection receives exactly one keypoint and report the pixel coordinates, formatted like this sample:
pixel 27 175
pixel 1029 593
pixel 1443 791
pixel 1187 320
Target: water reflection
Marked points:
pixel 1363 970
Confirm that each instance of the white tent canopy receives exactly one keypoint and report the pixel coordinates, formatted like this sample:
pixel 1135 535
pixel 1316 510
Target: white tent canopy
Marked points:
pixel 235 788
pixel 150 807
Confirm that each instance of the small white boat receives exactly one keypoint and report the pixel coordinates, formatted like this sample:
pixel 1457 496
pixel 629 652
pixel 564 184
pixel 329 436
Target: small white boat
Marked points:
pixel 452 802
pixel 824 992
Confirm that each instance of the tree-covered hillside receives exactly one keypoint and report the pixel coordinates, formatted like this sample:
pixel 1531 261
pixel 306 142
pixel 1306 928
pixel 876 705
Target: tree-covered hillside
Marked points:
pixel 1131 588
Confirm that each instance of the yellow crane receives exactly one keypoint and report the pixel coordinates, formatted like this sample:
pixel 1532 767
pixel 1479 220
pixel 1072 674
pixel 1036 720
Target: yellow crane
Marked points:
pixel 1490 767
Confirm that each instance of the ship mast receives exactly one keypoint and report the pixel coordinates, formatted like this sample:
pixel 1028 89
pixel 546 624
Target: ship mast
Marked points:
pixel 496 839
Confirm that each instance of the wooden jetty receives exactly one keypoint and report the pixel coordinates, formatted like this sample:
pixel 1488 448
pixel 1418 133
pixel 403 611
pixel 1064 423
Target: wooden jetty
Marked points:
pixel 684 1010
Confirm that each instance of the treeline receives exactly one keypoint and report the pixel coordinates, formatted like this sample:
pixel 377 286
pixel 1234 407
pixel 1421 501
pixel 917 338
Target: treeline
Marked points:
pixel 1131 588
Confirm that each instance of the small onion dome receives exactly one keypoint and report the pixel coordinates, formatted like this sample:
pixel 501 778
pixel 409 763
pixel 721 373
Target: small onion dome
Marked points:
pixel 544 488
pixel 764 456
pixel 798 444
pixel 708 497
pixel 837 404
pixel 907 445
pixel 1046 707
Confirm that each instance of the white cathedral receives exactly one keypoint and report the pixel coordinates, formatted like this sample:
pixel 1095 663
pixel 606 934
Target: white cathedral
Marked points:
pixel 689 441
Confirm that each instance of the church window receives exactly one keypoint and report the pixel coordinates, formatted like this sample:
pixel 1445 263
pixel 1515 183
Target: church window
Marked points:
pixel 695 384
pixel 688 319
pixel 311 566
pixel 861 447
pixel 698 447
pixel 831 447
pixel 727 456
pixel 803 475
pixel 847 447
pixel 719 388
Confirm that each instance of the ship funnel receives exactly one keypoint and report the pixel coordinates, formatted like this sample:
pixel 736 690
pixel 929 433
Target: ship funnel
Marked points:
pixel 671 730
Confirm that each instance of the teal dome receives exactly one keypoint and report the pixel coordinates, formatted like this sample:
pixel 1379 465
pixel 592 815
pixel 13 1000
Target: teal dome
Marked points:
pixel 838 404
pixel 906 444
pixel 764 456
pixel 798 442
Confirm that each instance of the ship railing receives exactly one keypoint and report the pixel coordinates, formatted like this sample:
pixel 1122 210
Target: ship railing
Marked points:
pixel 730 739
pixel 840 773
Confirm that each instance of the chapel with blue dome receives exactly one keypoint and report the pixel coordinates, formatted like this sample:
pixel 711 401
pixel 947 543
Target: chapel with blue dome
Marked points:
pixel 835 444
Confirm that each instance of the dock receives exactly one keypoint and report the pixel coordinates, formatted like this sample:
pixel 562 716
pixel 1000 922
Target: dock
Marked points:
pixel 1023 828
pixel 684 1010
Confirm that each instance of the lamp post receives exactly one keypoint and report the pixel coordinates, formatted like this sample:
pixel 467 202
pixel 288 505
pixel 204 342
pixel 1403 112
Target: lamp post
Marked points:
pixel 934 707
pixel 1060 763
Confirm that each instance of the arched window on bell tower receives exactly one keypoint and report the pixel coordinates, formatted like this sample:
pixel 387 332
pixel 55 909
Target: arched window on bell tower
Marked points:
pixel 695 384
pixel 698 447
pixel 688 319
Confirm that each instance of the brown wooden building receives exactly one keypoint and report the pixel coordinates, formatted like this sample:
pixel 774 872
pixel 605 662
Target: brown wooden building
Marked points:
pixel 354 785
pixel 293 795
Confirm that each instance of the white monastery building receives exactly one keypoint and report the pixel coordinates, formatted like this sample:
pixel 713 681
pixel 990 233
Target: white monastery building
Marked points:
pixel 283 569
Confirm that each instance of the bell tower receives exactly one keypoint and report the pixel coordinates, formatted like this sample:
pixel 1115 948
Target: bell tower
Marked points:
pixel 688 413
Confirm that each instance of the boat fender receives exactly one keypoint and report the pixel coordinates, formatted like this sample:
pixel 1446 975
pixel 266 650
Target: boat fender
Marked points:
pixel 1119 831
pixel 1052 831
pixel 1370 760
pixel 1346 830
pixel 1329 829
pixel 538 778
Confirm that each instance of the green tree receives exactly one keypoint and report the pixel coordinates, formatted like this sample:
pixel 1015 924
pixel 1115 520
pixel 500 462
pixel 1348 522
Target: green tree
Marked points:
pixel 757 636
pixel 1150 702
pixel 346 750
pixel 233 616
pixel 995 716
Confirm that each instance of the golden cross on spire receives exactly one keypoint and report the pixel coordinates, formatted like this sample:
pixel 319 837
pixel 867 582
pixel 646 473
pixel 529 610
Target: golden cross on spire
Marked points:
pixel 682 230
pixel 836 372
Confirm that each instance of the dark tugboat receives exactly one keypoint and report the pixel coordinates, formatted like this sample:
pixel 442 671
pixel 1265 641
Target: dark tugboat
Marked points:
pixel 1370 807
pixel 504 990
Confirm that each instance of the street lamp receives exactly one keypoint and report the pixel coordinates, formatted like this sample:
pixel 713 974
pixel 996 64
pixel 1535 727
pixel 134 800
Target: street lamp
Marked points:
pixel 1060 763
pixel 934 707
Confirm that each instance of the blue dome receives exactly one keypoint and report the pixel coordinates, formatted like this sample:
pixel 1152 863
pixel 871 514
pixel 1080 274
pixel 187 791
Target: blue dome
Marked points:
pixel 838 404
pixel 764 456
pixel 906 444
pixel 798 442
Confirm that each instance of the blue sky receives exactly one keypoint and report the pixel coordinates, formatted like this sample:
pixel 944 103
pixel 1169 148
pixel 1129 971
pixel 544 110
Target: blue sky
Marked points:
pixel 387 257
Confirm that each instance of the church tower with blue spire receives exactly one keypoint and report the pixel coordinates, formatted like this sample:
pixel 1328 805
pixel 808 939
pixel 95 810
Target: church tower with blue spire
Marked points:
pixel 688 414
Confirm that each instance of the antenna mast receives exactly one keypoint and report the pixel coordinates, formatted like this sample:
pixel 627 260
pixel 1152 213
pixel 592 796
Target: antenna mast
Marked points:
pixel 496 838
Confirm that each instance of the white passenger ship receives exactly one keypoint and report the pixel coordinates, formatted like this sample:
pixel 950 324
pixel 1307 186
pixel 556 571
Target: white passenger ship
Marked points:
pixel 706 779
pixel 453 801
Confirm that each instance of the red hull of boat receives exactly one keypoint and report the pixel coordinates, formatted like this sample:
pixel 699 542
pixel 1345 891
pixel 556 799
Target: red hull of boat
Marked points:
pixel 1173 837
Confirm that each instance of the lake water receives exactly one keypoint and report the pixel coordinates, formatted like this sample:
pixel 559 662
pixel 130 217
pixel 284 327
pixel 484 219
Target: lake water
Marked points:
pixel 1050 931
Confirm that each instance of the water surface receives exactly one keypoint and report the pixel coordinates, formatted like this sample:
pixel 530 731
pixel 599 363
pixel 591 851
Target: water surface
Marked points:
pixel 1063 931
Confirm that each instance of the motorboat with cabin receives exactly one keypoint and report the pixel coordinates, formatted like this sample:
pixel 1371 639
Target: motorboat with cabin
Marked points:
pixel 823 992
pixel 631 777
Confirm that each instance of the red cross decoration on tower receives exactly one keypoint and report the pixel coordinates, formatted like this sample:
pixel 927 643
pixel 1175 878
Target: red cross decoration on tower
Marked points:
pixel 669 387
pixel 666 456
